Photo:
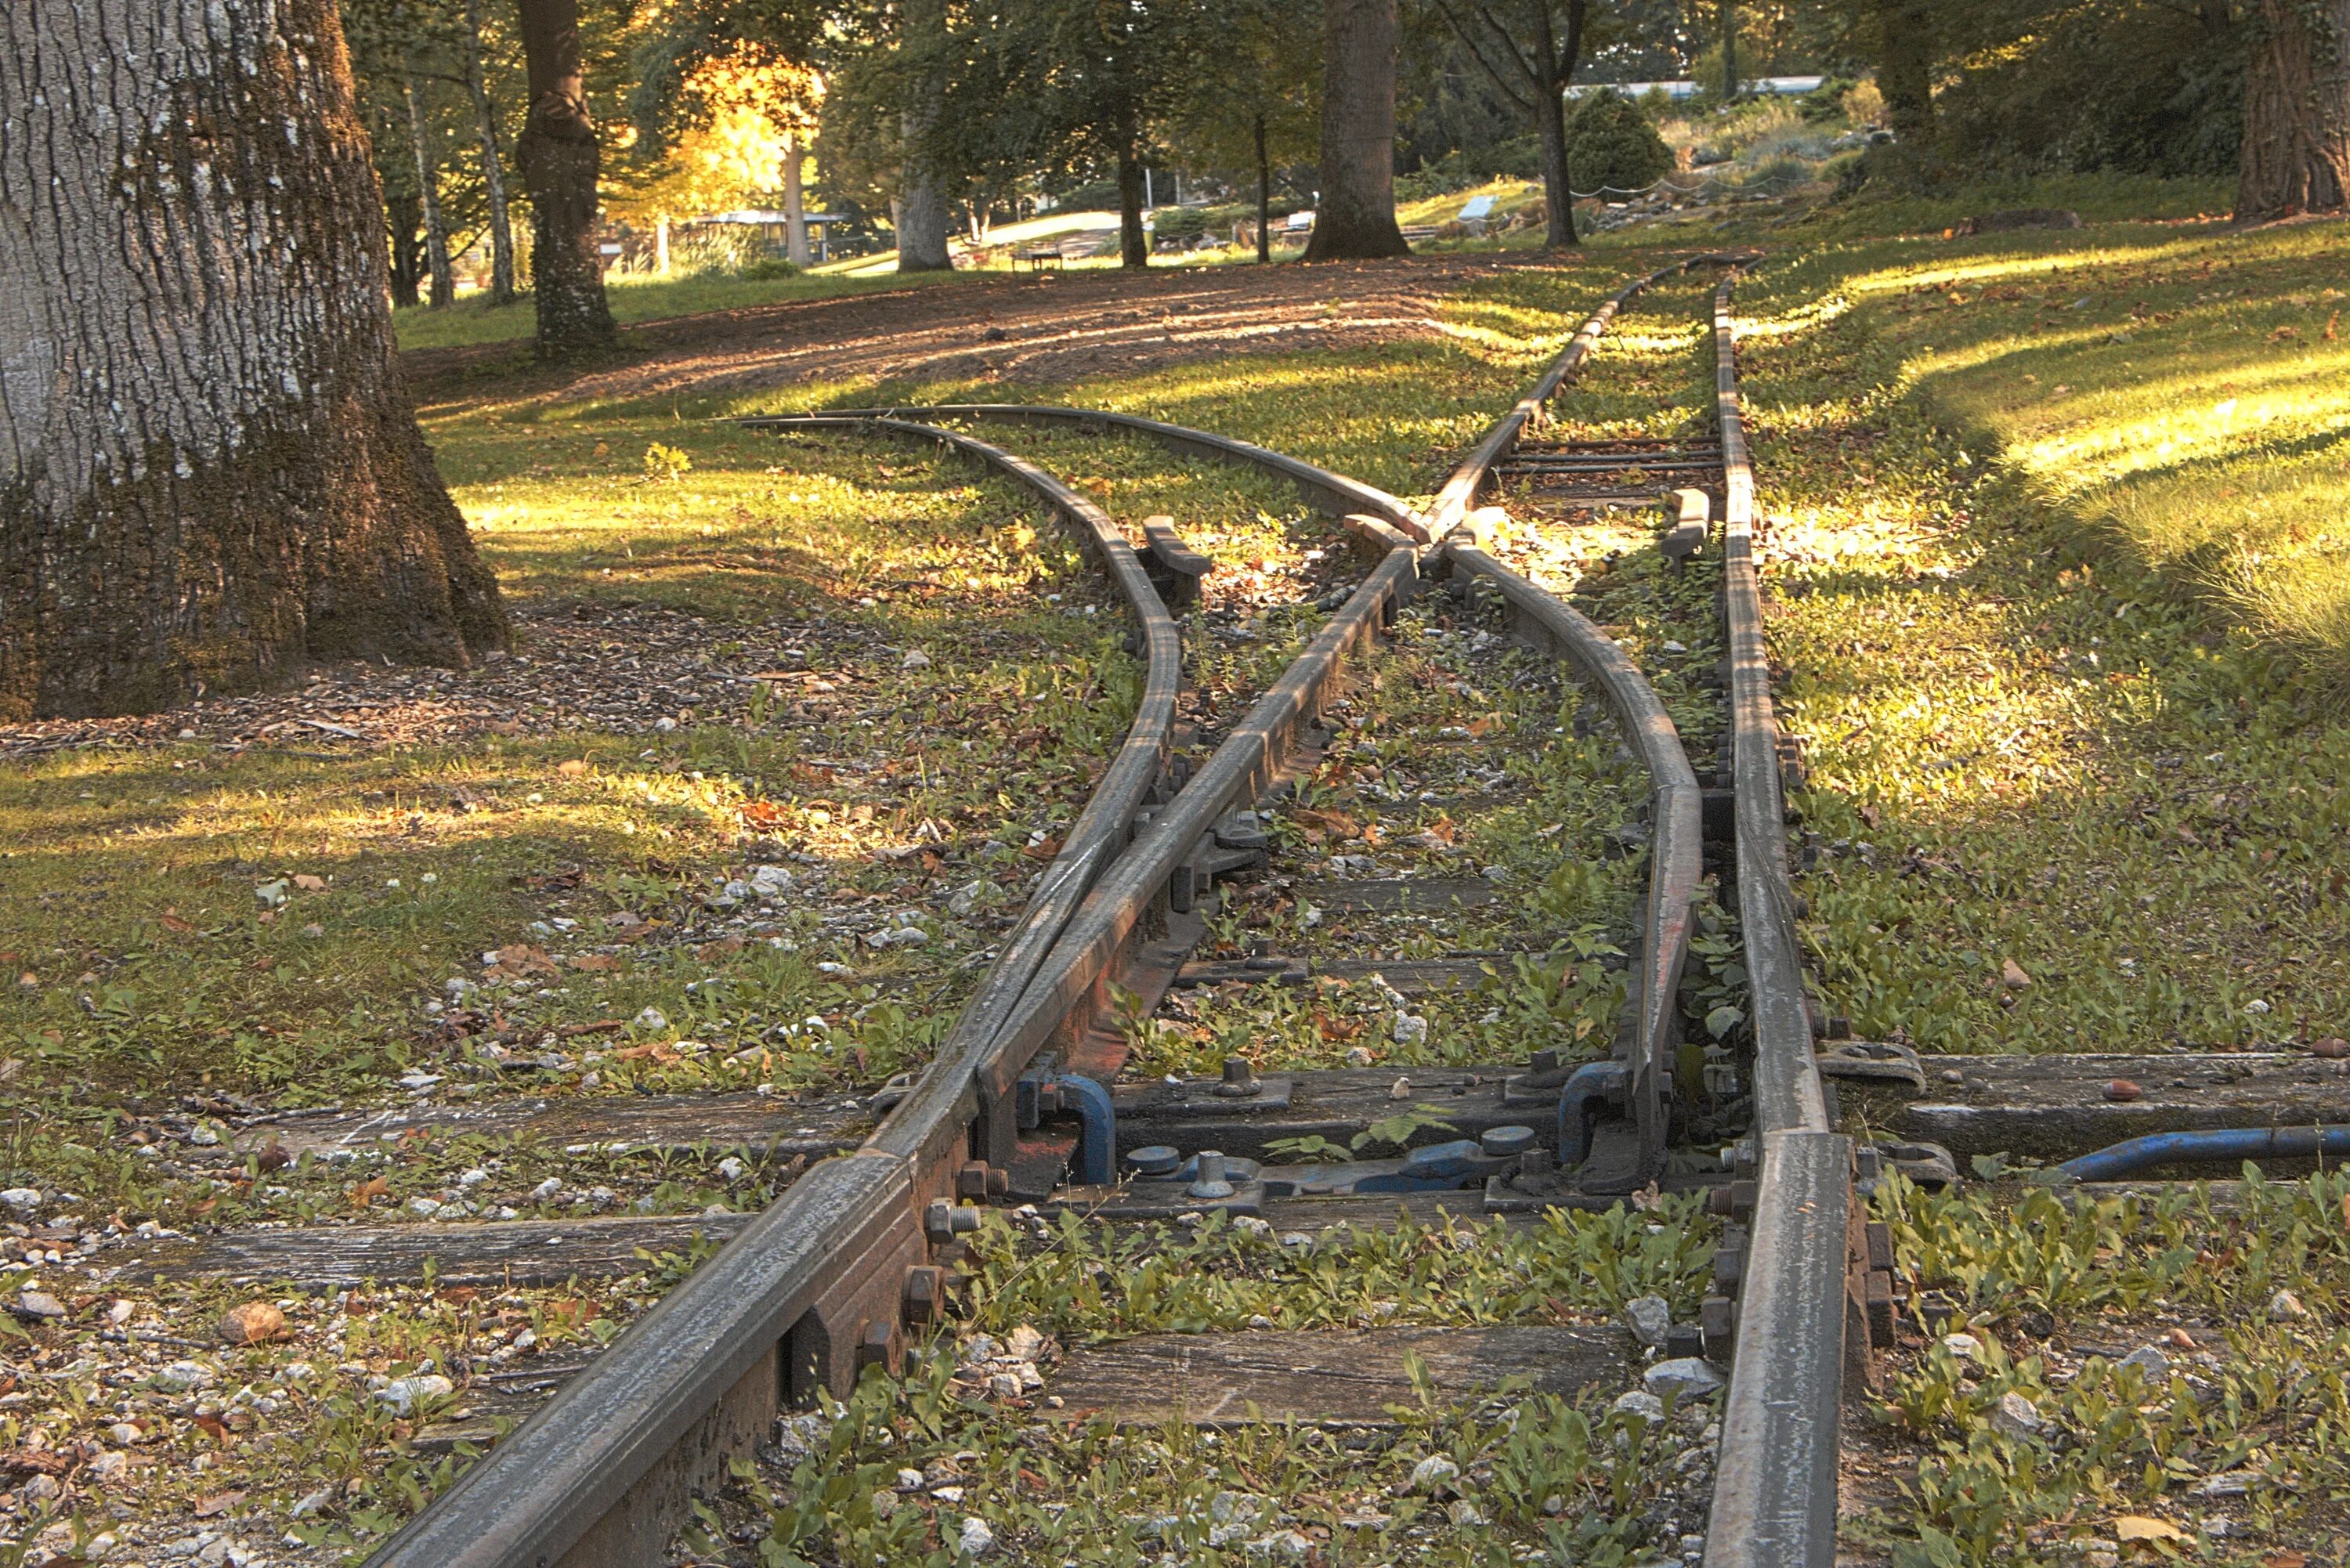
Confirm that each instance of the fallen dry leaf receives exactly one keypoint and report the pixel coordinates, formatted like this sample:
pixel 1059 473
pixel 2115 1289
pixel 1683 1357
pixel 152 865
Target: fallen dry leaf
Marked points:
pixel 572 769
pixel 2138 1527
pixel 218 1503
pixel 309 883
pixel 255 1323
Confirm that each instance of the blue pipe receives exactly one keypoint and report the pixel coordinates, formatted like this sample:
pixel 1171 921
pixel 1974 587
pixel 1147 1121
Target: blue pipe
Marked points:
pixel 2132 1156
pixel 1096 1161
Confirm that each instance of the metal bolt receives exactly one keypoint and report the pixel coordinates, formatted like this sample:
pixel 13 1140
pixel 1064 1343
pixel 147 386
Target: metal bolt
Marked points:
pixel 1544 1061
pixel 1239 1079
pixel 925 1293
pixel 876 1345
pixel 942 1221
pixel 1505 1141
pixel 1211 1182
pixel 1536 1161
pixel 1153 1161
pixel 970 1179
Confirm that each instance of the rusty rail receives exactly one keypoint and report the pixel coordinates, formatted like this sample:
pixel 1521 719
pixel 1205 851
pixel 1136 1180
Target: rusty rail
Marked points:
pixel 1774 1493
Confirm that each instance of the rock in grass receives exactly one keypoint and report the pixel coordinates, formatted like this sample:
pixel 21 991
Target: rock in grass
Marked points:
pixel 1650 1318
pixel 1433 1474
pixel 975 1539
pixel 404 1394
pixel 2016 1416
pixel 2150 1360
pixel 38 1307
pixel 21 1200
pixel 255 1323
pixel 1685 1377
pixel 2011 975
pixel 1646 1405
pixel 2285 1307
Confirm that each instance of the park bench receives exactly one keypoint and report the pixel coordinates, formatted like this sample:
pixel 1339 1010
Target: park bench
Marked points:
pixel 1038 257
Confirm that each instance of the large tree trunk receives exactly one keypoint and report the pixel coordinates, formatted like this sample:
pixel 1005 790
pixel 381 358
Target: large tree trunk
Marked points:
pixel 1133 240
pixel 210 473
pixel 921 216
pixel 1558 183
pixel 2296 156
pixel 1905 73
pixel 494 175
pixel 1354 216
pixel 428 182
pixel 560 161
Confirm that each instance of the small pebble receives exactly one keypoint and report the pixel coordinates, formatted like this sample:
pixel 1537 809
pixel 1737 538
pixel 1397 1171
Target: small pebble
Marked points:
pixel 2122 1089
pixel 2285 1307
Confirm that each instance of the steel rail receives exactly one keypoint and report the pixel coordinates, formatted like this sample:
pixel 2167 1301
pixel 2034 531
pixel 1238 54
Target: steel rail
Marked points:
pixel 1460 490
pixel 1332 492
pixel 1775 1492
pixel 601 1474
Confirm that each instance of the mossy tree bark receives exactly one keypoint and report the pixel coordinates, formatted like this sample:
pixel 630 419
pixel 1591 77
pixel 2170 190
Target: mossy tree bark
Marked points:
pixel 2296 155
pixel 1354 216
pixel 560 162
pixel 210 469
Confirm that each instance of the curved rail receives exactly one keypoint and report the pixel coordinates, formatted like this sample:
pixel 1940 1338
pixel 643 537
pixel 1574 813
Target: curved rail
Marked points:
pixel 1333 493
pixel 1774 1493
pixel 813 1286
pixel 1460 490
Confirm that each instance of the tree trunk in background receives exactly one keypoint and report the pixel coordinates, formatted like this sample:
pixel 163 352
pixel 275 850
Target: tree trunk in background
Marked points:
pixel 1905 72
pixel 1558 183
pixel 400 218
pixel 1264 196
pixel 560 161
pixel 428 182
pixel 1133 239
pixel 210 471
pixel 796 246
pixel 1355 215
pixel 493 174
pixel 2296 148
pixel 1728 50
pixel 923 205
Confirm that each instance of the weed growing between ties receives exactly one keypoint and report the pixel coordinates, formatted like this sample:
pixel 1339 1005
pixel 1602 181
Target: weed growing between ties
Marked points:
pixel 2050 807
pixel 2157 1376
pixel 926 1469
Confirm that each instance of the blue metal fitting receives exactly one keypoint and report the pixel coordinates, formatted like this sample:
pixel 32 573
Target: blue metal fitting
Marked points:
pixel 1097 1160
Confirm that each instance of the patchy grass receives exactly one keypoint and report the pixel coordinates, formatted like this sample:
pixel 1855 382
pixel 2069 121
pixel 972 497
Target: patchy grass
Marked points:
pixel 2024 751
pixel 474 320
pixel 2169 1368
pixel 2180 395
pixel 896 1472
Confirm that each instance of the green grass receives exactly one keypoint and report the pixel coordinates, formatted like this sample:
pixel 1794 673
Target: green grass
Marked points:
pixel 2025 747
pixel 474 320
pixel 2049 1299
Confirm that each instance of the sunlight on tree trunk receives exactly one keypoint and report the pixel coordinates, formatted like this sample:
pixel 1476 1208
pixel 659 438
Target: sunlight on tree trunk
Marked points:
pixel 1558 183
pixel 213 472
pixel 428 182
pixel 2296 155
pixel 796 246
pixel 1264 196
pixel 559 158
pixel 1355 215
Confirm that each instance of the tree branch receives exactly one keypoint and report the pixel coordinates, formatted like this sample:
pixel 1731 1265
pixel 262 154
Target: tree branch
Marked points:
pixel 1507 91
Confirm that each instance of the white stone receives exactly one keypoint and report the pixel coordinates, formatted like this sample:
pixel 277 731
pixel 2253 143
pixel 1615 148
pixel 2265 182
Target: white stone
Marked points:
pixel 1686 1377
pixel 2285 1307
pixel 1965 1346
pixel 1434 1472
pixel 1408 1029
pixel 653 1019
pixel 910 1480
pixel 404 1394
pixel 1023 1343
pixel 2150 1360
pixel 732 1168
pixel 1650 1317
pixel 2016 1416
pixel 915 659
pixel 1646 1405
pixel 547 1190
pixel 975 1539
pixel 180 1376
pixel 22 1200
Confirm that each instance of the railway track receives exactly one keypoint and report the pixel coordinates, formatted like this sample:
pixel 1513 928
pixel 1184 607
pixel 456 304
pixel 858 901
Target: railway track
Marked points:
pixel 1139 915
pixel 1298 888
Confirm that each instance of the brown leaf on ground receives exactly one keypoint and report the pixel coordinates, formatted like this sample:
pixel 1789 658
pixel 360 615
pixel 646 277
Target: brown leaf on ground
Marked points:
pixel 593 963
pixel 218 1503
pixel 2140 1527
pixel 34 1462
pixel 255 1323
pixel 368 1191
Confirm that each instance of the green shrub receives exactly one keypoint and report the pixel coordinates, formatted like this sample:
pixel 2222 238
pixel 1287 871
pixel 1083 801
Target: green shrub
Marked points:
pixel 1180 224
pixel 767 268
pixel 1610 143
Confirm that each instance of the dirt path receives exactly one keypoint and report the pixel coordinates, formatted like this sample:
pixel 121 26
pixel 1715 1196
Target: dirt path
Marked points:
pixel 1035 330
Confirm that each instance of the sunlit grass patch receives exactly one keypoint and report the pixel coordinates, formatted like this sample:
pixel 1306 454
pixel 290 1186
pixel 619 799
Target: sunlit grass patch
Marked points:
pixel 2021 754
pixel 634 298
